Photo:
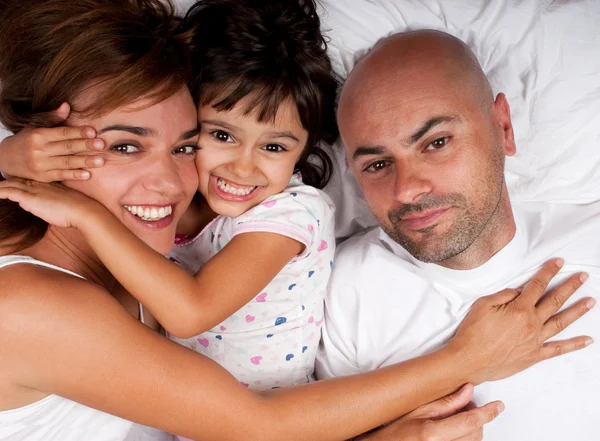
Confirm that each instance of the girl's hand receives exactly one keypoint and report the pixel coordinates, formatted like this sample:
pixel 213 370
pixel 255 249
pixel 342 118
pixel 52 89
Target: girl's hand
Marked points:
pixel 452 418
pixel 507 332
pixel 54 203
pixel 55 154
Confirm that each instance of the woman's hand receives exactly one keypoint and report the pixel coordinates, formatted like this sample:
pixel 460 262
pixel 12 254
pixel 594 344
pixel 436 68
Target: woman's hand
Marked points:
pixel 506 332
pixel 55 154
pixel 452 418
pixel 54 203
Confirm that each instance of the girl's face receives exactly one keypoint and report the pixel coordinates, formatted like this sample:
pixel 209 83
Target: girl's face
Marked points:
pixel 241 161
pixel 149 176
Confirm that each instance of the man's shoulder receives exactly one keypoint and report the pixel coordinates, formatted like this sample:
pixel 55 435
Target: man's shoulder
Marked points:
pixel 547 223
pixel 371 249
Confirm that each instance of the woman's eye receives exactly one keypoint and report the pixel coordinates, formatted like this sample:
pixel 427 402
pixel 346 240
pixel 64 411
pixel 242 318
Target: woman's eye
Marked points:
pixel 438 143
pixel 376 166
pixel 274 148
pixel 125 148
pixel 185 150
pixel 220 135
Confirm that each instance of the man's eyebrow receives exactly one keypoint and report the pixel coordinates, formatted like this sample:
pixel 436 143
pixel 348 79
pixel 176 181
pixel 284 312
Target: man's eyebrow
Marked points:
pixel 138 131
pixel 430 124
pixel 365 151
pixel 190 134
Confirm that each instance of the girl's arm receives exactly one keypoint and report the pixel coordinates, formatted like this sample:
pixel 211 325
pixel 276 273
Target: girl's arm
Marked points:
pixel 185 305
pixel 80 344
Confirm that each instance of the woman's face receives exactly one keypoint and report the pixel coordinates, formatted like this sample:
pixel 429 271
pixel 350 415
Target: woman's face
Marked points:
pixel 149 176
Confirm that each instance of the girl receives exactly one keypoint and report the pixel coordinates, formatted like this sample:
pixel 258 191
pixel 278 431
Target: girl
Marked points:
pixel 255 303
pixel 132 373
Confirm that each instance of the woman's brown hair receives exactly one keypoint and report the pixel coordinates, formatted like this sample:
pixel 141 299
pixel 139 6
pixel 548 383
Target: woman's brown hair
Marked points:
pixel 51 50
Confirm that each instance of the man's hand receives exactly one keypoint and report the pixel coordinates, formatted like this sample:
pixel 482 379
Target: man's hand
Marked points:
pixel 452 418
pixel 507 332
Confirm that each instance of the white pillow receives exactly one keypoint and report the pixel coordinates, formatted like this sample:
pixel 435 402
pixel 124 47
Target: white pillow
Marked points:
pixel 543 54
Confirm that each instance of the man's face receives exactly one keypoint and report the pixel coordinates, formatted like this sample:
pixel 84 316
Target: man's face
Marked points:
pixel 429 159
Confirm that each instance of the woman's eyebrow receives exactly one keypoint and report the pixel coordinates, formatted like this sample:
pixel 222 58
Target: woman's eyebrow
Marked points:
pixel 138 131
pixel 190 134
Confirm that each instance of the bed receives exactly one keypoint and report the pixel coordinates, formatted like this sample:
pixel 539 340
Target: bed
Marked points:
pixel 543 54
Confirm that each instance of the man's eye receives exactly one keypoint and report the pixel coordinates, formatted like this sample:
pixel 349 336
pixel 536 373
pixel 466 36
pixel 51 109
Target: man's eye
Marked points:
pixel 376 166
pixel 274 148
pixel 185 150
pixel 438 143
pixel 220 135
pixel 125 149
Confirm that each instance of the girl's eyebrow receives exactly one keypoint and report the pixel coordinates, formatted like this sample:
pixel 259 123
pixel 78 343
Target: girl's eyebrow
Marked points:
pixel 283 135
pixel 216 122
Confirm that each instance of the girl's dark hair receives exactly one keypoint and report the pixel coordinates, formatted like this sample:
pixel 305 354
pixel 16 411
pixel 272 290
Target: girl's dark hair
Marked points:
pixel 273 49
pixel 52 50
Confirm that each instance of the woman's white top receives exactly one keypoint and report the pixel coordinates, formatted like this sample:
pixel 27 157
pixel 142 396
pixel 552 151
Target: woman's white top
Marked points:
pixel 58 419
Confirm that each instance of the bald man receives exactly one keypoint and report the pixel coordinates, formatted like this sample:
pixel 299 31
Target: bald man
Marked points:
pixel 427 140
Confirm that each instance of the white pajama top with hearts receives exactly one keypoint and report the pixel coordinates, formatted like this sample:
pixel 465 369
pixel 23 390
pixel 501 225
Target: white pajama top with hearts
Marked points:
pixel 271 341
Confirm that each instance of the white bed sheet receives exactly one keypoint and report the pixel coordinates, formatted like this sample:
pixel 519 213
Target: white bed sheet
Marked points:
pixel 543 54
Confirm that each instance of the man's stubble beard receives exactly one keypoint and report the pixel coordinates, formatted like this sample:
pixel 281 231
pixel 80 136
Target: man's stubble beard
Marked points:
pixel 464 231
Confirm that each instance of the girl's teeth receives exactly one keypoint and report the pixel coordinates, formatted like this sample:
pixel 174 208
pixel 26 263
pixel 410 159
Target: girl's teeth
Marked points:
pixel 225 187
pixel 149 214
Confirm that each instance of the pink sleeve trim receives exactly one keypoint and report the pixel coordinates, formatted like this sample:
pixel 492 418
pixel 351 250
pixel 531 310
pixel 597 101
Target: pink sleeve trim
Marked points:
pixel 264 226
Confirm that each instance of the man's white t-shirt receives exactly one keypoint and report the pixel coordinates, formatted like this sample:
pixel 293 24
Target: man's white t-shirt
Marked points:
pixel 384 306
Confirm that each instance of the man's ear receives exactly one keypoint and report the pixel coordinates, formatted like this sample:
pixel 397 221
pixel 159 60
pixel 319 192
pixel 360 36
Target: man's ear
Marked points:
pixel 501 114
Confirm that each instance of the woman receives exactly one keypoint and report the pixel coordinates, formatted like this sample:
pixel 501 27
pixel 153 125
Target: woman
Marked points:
pixel 73 356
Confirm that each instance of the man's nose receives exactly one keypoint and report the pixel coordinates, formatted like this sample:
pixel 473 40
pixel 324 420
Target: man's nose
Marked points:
pixel 411 183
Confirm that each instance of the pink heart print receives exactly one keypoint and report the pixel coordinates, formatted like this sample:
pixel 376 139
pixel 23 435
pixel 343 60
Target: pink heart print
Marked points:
pixel 222 328
pixel 203 342
pixel 250 318
pixel 256 360
pixel 261 297
pixel 269 204
pixel 322 246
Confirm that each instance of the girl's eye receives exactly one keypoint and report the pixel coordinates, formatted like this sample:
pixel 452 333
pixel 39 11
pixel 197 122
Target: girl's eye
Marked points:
pixel 274 148
pixel 438 143
pixel 185 150
pixel 376 166
pixel 125 149
pixel 220 135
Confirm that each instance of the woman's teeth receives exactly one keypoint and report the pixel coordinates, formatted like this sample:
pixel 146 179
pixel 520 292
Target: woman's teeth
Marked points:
pixel 225 187
pixel 149 213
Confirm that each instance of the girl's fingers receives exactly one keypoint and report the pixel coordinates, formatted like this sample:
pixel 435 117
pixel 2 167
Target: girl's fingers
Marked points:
pixel 74 162
pixel 73 146
pixel 63 133
pixel 536 287
pixel 68 175
pixel 13 194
